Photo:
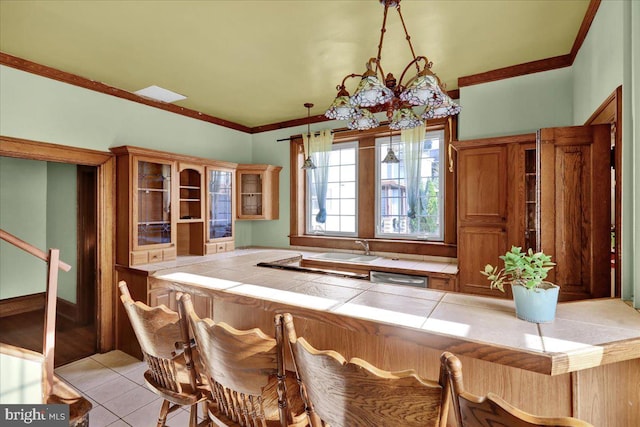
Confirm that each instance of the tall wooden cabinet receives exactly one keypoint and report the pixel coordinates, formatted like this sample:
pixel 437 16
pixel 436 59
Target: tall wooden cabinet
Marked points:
pixel 483 209
pixel 575 208
pixel 146 216
pixel 220 209
pixel 549 191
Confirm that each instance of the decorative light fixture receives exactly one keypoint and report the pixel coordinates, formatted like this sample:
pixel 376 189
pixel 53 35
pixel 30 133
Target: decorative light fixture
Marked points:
pixel 394 97
pixel 391 156
pixel 308 163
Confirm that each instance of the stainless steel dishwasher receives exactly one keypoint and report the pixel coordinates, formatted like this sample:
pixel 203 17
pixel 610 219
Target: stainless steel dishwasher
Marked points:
pixel 399 279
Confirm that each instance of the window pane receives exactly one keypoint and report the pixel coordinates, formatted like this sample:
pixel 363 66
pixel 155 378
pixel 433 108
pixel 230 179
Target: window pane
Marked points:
pixel 398 215
pixel 341 193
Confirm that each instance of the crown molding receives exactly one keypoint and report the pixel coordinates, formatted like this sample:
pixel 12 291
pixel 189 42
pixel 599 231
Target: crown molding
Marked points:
pixel 539 65
pixel 73 79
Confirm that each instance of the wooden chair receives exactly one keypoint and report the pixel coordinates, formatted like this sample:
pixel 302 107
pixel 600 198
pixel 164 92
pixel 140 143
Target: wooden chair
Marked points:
pixel 492 410
pixel 246 372
pixel 165 344
pixel 49 388
pixel 354 393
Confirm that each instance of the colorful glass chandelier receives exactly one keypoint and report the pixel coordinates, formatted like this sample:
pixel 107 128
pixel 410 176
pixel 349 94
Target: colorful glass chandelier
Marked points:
pixel 377 92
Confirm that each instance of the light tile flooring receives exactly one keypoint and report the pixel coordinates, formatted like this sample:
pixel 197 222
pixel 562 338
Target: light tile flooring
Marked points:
pixel 114 384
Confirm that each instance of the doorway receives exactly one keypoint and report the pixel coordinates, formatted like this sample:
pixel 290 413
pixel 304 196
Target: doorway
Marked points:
pixel 104 167
pixel 42 208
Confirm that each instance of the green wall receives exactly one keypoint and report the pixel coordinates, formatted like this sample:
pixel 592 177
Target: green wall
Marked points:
pixel 61 212
pixel 24 181
pixel 37 205
pixel 517 105
pixel 46 110
pixel 604 62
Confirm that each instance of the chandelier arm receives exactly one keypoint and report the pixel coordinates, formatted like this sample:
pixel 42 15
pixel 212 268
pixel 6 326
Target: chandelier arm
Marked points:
pixel 407 36
pixel 349 76
pixel 382 31
pixel 415 61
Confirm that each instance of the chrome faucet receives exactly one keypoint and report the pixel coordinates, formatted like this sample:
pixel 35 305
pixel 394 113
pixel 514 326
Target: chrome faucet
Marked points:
pixel 365 245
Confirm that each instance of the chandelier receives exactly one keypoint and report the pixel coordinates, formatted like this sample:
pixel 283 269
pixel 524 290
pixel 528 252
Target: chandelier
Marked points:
pixel 377 92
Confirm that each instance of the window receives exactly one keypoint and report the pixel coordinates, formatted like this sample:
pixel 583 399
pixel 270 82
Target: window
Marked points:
pixel 341 194
pixel 364 196
pixel 397 215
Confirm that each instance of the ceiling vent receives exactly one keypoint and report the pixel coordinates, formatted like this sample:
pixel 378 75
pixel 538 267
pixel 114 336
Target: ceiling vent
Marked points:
pixel 159 94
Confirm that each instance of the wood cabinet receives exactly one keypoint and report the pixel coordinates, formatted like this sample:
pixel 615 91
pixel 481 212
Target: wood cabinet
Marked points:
pixel 484 203
pixel 258 192
pixel 190 224
pixel 549 191
pixel 220 210
pixel 145 219
pixel 171 205
pixel 575 208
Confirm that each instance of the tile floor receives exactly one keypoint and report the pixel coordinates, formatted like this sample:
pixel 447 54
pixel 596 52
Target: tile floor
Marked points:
pixel 114 384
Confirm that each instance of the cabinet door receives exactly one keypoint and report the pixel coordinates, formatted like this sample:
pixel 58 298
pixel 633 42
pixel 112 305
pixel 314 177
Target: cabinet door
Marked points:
pixel 258 191
pixel 220 204
pixel 251 200
pixel 575 208
pixel 477 247
pixel 152 207
pixel 482 185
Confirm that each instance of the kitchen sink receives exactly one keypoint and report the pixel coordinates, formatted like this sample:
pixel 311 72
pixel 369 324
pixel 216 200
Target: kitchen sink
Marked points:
pixel 345 257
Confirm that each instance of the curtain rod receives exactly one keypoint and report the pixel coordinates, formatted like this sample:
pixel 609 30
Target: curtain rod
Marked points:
pixel 334 131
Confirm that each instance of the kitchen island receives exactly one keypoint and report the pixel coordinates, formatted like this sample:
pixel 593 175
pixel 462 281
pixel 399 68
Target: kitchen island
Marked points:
pixel 585 364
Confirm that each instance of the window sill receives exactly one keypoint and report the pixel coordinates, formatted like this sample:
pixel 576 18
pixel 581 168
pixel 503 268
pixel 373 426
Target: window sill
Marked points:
pixel 411 247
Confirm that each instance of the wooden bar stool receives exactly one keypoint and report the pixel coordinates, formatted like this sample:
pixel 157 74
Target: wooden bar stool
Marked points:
pixel 355 393
pixel 492 410
pixel 165 344
pixel 246 373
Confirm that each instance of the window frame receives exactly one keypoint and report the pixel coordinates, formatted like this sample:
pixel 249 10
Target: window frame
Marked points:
pixel 378 195
pixel 366 202
pixel 308 196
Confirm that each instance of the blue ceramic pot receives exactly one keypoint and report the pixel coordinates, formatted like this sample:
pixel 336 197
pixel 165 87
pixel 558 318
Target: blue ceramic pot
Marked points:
pixel 536 305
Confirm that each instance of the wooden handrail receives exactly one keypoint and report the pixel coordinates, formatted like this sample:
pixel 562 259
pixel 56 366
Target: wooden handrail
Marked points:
pixel 8 237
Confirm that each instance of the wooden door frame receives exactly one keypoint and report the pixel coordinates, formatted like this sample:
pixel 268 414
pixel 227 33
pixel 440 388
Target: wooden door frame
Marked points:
pixel 105 164
pixel 610 112
pixel 87 232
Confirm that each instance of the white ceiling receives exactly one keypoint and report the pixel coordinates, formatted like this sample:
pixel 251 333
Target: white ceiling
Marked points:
pixel 257 62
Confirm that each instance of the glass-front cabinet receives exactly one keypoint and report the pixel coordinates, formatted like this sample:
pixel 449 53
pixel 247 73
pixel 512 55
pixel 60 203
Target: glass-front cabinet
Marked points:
pixel 171 205
pixel 145 206
pixel 220 210
pixel 152 212
pixel 258 196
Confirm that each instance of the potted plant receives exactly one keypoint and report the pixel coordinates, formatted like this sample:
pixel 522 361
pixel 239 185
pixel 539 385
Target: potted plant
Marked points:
pixel 525 271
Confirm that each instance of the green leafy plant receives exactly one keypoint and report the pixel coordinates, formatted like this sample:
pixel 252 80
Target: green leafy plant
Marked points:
pixel 526 268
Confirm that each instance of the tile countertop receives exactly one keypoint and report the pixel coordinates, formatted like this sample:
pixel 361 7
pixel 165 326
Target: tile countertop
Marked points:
pixel 584 334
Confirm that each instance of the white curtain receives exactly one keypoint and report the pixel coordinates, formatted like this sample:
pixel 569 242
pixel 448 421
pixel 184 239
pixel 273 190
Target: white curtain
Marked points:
pixel 319 148
pixel 412 139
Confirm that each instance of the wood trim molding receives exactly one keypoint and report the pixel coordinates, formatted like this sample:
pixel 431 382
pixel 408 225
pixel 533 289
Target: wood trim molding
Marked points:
pixel 539 65
pixel 105 162
pixel 35 150
pixel 73 79
pixel 610 111
pixel 516 70
pixel 498 140
pixel 592 9
pixel 22 304
pixel 67 309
